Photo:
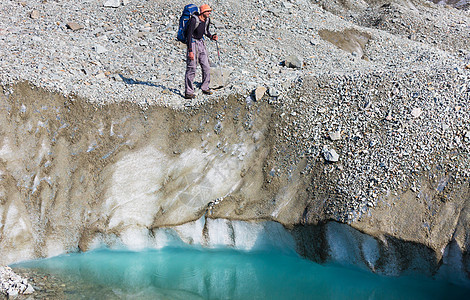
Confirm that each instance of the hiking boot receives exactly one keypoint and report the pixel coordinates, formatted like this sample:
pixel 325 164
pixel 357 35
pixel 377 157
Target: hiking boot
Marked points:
pixel 189 96
pixel 208 92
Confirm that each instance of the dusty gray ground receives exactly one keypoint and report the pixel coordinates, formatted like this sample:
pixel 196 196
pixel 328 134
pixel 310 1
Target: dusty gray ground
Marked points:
pixel 129 53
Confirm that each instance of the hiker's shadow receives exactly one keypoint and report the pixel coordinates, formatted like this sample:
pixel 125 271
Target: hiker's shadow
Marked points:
pixel 147 83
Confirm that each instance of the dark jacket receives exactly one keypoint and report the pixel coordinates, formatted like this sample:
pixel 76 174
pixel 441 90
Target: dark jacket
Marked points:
pixel 196 30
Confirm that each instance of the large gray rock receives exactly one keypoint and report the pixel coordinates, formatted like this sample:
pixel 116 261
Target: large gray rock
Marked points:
pixel 34 14
pixel 416 112
pixel 99 49
pixel 293 61
pixel 330 155
pixel 259 92
pixel 219 77
pixel 335 135
pixel 74 26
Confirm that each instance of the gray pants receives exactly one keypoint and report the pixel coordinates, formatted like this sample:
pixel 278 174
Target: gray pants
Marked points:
pixel 200 54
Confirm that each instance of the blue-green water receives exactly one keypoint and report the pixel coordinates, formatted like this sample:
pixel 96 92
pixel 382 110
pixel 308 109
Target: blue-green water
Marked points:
pixel 226 274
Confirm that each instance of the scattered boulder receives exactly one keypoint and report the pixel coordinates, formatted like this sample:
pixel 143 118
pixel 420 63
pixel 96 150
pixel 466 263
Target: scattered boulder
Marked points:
pixel 330 155
pixel 112 3
pixel 335 135
pixel 276 12
pixel 293 61
pixel 416 112
pixel 100 75
pixel 259 93
pixel 99 49
pixel 34 15
pixel 287 5
pixel 74 26
pixel 273 92
pixel 219 77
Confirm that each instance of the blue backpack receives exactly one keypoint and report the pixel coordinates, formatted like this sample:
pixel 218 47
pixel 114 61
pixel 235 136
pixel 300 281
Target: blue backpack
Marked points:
pixel 188 11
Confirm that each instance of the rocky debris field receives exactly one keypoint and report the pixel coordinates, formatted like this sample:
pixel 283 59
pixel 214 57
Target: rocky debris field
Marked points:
pixel 52 286
pixel 13 285
pixel 107 51
pixel 378 134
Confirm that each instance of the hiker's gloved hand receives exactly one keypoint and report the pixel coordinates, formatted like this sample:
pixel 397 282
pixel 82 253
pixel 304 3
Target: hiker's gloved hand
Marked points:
pixel 215 37
pixel 191 55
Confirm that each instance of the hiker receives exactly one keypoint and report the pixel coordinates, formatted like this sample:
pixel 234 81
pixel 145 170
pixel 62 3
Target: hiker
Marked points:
pixel 197 51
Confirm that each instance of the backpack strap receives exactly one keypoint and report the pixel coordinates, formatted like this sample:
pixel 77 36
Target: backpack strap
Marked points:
pixel 206 30
pixel 197 20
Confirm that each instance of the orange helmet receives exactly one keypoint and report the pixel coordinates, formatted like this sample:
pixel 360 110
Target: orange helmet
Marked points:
pixel 204 8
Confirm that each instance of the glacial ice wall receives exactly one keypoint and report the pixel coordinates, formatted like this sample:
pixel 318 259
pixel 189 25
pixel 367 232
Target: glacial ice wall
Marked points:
pixel 72 173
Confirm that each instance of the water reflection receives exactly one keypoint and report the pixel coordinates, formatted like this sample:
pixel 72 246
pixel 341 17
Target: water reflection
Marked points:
pixel 226 274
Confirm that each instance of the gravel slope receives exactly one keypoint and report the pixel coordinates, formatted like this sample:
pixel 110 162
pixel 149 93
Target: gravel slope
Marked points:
pixel 129 53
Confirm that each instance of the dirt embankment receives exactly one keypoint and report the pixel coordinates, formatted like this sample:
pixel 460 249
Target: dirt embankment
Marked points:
pixel 77 176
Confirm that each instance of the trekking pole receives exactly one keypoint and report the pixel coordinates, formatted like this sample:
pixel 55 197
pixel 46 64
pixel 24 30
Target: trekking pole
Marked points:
pixel 218 52
pixel 220 65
